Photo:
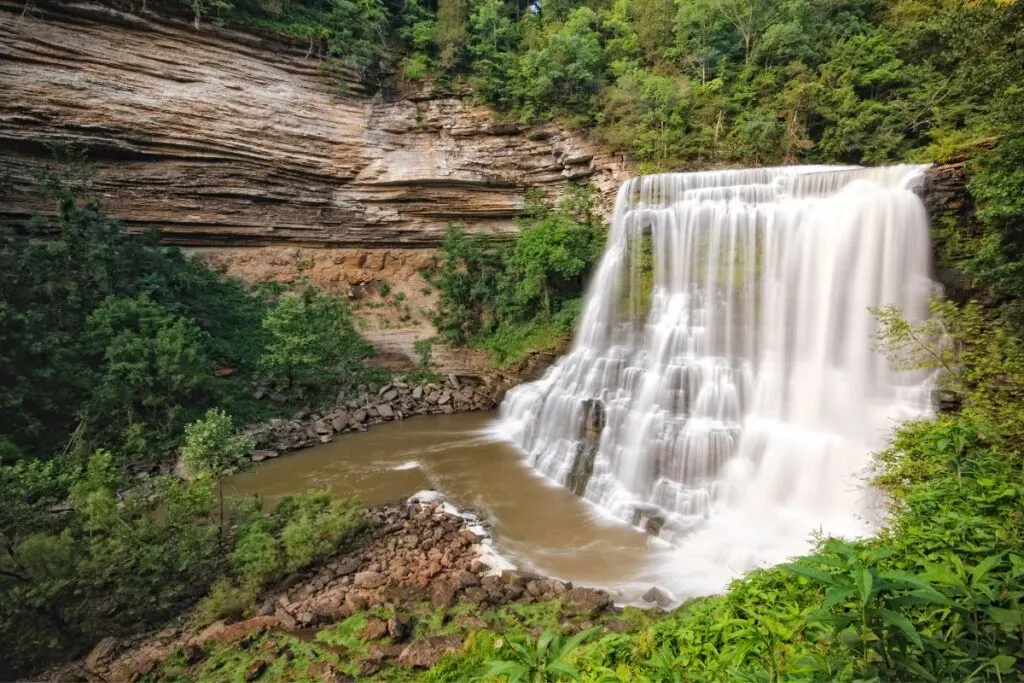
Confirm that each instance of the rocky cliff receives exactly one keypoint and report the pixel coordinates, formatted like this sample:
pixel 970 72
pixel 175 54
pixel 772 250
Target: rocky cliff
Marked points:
pixel 273 165
pixel 223 138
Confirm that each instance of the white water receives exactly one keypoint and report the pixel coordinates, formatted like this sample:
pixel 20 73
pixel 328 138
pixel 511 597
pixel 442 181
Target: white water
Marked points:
pixel 727 339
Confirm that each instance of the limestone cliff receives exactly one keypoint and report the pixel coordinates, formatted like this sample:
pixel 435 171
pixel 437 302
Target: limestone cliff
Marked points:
pixel 223 138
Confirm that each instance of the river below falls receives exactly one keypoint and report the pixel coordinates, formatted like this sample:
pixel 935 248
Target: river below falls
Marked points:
pixel 536 525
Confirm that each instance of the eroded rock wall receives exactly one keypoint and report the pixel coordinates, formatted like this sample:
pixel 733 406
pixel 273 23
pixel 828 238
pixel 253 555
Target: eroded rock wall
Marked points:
pixel 224 138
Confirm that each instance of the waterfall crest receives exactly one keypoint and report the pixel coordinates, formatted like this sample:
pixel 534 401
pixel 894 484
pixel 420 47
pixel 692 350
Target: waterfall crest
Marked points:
pixel 723 389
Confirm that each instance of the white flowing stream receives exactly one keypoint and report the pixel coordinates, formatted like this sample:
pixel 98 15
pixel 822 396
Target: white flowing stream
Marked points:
pixel 724 390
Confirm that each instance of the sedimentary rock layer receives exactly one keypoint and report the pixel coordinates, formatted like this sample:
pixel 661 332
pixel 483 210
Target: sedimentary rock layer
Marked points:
pixel 223 138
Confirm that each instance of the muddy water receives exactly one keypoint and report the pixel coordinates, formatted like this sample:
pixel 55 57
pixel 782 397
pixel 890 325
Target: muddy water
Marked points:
pixel 536 525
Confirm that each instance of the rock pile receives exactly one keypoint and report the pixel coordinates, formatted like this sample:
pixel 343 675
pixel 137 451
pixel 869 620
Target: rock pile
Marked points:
pixel 410 553
pixel 395 401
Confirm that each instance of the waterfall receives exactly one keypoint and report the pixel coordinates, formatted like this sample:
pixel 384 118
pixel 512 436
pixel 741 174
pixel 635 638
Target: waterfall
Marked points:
pixel 723 390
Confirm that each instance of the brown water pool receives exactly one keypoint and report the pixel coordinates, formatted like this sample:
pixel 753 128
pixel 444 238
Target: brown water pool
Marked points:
pixel 537 525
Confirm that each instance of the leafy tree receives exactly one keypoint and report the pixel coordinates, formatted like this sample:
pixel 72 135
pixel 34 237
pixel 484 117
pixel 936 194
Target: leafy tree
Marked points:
pixel 451 30
pixel 542 660
pixel 468 281
pixel 493 38
pixel 514 298
pixel 563 71
pixel 313 342
pixel 212 448
pixel 154 364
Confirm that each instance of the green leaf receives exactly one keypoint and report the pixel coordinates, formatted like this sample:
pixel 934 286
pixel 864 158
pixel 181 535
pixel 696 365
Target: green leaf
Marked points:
pixel 903 624
pixel 938 573
pixel 1011 618
pixel 1017 562
pixel 579 638
pixel 905 580
pixel 984 567
pixel 835 595
pixel 562 668
pixel 864 579
pixel 543 642
pixel 1003 663
pixel 513 670
pixel 810 573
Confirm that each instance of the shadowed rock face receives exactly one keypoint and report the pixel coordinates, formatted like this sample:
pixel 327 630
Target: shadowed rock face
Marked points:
pixel 223 138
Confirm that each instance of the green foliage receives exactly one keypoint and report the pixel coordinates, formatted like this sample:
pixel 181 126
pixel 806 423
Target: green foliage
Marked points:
pixel 211 447
pixel 512 299
pixel 313 343
pixel 113 341
pixel 302 529
pixel 563 70
pixel 995 259
pixel 540 660
pixel 353 31
pixel 110 347
pixel 154 364
pixel 98 562
pixel 721 81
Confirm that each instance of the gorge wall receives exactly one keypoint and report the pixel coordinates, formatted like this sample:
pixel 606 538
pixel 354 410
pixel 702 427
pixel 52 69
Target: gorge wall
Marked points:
pixel 223 138
pixel 272 164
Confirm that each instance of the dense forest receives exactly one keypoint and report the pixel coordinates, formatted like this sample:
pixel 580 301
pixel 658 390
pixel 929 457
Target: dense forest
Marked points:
pixel 117 354
pixel 686 84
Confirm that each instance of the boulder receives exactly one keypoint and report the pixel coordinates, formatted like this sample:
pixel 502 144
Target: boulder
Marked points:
pixel 585 602
pixel 341 421
pixel 369 580
pixel 656 596
pixel 260 455
pixel 346 566
pixel 399 627
pixel 425 652
pixel 375 629
pixel 222 633
pixel 101 654
pixel 255 670
pixel 325 672
pixel 464 579
pixel 443 596
pixel 368 667
pixel 385 411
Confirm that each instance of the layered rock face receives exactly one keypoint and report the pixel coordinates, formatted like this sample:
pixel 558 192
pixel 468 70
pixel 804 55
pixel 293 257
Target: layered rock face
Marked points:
pixel 222 138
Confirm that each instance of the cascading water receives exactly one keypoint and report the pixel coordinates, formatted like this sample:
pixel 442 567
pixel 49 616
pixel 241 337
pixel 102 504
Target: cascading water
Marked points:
pixel 723 389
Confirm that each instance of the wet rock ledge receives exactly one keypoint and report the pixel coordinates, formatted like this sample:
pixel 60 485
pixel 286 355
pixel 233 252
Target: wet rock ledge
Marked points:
pixel 395 401
pixel 414 558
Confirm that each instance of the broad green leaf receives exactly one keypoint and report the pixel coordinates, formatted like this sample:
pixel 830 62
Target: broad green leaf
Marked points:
pixel 864 580
pixel 1007 617
pixel 905 580
pixel 513 670
pixel 562 668
pixel 579 638
pixel 979 572
pixel 810 573
pixel 543 642
pixel 938 573
pixel 1017 562
pixel 1003 663
pixel 903 624
pixel 836 595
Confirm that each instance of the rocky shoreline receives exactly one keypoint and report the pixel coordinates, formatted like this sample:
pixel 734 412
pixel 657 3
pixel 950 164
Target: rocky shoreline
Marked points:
pixel 412 554
pixel 394 401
